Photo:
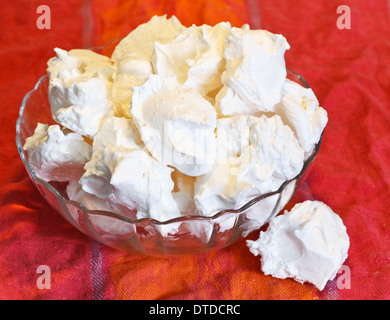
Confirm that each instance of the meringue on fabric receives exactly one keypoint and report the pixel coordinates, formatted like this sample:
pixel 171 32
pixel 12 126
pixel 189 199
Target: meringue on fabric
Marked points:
pixel 180 121
pixel 308 244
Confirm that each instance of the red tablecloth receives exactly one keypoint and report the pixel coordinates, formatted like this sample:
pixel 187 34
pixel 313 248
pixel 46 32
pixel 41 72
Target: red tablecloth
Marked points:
pixel 349 71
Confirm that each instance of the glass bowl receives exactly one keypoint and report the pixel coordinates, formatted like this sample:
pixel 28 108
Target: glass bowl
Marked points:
pixel 194 233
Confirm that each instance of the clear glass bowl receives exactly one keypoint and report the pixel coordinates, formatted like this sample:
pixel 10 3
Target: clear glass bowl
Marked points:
pixel 195 234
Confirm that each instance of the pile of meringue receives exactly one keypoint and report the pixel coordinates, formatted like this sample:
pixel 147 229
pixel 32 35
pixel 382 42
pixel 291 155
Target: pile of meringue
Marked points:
pixel 179 120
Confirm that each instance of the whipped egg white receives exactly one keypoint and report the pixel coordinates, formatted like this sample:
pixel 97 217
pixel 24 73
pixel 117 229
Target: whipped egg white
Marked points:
pixel 255 156
pixel 300 109
pixel 176 124
pixel 79 90
pixel 124 174
pixel 133 57
pixel 194 57
pixel 57 154
pixel 255 72
pixel 308 243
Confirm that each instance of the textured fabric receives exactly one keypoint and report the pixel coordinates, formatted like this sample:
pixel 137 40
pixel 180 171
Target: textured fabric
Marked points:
pixel 349 71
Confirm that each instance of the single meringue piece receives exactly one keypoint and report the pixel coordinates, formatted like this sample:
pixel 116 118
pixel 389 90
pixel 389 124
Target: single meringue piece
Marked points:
pixel 194 57
pixel 255 72
pixel 183 192
pixel 176 124
pixel 57 154
pixel 255 155
pixel 300 109
pixel 79 85
pixel 133 56
pixel 308 244
pixel 108 226
pixel 124 174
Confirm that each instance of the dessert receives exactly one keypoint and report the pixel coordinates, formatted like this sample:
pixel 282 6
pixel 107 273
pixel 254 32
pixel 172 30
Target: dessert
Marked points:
pixel 176 124
pixel 299 109
pixel 308 243
pixel 56 154
pixel 125 175
pixel 194 57
pixel 177 121
pixel 255 72
pixel 133 58
pixel 255 155
pixel 79 90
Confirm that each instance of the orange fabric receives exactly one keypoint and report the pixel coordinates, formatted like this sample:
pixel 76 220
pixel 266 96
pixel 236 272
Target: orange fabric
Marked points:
pixel 226 274
pixel 117 18
pixel 347 69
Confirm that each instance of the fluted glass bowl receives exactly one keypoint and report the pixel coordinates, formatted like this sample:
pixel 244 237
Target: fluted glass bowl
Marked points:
pixel 194 234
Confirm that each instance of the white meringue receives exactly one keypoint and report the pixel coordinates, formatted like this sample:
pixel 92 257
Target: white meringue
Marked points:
pixel 183 192
pixel 133 55
pixel 183 121
pixel 79 84
pixel 121 172
pixel 107 226
pixel 255 72
pixel 255 156
pixel 57 154
pixel 194 57
pixel 176 124
pixel 308 244
pixel 300 109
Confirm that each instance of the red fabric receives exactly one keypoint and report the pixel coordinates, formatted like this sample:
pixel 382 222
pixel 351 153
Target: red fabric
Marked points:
pixel 347 69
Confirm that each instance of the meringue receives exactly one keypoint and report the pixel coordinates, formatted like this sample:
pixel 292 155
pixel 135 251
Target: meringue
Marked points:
pixel 300 109
pixel 255 72
pixel 176 124
pixel 57 154
pixel 194 57
pixel 79 85
pixel 108 226
pixel 308 244
pixel 255 156
pixel 121 172
pixel 133 57
pixel 180 121
pixel 183 192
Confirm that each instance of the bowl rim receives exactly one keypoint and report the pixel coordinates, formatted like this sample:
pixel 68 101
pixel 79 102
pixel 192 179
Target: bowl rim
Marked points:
pixel 183 218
